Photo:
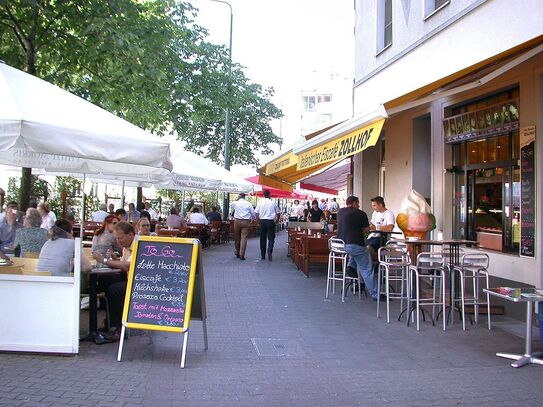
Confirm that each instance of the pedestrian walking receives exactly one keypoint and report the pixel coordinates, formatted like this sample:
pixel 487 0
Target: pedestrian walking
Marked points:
pixel 268 213
pixel 243 214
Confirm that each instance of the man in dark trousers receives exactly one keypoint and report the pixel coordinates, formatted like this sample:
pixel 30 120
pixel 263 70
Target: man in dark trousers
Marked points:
pixel 268 213
pixel 352 223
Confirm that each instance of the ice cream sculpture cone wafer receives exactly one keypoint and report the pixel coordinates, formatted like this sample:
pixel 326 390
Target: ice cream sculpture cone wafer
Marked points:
pixel 415 218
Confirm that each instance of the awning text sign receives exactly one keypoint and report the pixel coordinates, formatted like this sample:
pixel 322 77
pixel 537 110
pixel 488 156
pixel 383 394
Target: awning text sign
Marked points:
pixel 342 147
pixel 281 163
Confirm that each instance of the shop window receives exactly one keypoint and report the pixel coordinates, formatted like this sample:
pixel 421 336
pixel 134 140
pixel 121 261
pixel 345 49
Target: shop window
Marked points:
pixel 308 102
pixel 324 98
pixel 384 24
pixel 433 6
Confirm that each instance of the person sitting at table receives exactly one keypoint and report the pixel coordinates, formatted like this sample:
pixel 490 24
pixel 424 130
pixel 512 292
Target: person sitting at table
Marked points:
pixel 8 228
pixel 316 214
pixel 381 219
pixel 143 227
pixel 174 221
pixel 115 284
pixel 104 238
pixel 197 218
pixel 100 214
pixel 47 221
pixel 31 237
pixel 133 213
pixel 214 215
pixel 57 254
pixel 121 215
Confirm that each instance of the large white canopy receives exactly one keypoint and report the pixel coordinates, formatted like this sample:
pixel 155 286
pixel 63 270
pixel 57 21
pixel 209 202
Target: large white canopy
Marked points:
pixel 43 126
pixel 193 172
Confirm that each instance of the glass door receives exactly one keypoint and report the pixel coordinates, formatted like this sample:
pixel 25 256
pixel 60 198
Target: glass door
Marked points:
pixel 487 207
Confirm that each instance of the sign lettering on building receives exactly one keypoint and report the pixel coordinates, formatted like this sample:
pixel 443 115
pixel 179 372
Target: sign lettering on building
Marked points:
pixel 342 147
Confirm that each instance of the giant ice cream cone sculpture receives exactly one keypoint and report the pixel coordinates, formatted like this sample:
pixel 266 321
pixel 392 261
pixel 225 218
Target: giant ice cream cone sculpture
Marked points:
pixel 415 218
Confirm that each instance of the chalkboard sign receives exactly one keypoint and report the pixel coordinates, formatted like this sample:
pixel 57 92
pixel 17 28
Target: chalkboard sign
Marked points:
pixel 161 284
pixel 527 191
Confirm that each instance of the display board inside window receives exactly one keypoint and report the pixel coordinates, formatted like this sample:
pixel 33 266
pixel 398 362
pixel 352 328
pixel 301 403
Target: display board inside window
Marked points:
pixel 482 118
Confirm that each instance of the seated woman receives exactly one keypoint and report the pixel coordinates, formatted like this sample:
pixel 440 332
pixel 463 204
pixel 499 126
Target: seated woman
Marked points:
pixel 104 239
pixel 175 221
pixel 315 213
pixel 57 254
pixel 143 227
pixel 47 220
pixel 30 238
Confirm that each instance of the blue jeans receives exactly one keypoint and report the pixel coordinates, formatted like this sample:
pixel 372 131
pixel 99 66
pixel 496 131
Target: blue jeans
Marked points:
pixel 360 259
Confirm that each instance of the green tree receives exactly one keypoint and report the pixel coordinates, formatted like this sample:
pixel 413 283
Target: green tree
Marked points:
pixel 145 61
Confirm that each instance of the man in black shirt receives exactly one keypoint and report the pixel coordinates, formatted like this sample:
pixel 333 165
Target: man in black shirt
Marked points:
pixel 214 215
pixel 352 223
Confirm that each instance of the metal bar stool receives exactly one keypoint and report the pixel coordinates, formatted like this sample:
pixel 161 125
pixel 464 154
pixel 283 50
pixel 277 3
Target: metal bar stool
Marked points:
pixel 394 265
pixel 338 254
pixel 474 267
pixel 430 268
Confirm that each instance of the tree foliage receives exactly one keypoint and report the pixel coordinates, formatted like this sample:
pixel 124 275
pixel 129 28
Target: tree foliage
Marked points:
pixel 145 61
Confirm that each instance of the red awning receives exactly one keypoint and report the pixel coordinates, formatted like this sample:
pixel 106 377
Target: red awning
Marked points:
pixel 330 181
pixel 275 192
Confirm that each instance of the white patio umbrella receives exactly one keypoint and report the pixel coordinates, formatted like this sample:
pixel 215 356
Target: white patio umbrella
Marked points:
pixel 43 126
pixel 193 172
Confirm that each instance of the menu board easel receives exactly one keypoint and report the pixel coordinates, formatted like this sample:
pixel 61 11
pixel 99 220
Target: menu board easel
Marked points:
pixel 165 288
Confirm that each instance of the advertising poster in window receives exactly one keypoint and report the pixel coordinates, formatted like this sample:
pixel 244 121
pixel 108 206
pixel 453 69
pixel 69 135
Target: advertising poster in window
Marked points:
pixel 527 191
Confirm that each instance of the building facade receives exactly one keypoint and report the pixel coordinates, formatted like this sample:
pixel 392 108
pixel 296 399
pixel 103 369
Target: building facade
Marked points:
pixel 461 82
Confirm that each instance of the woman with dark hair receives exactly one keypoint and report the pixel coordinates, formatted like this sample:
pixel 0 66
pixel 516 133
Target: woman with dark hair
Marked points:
pixel 103 239
pixel 57 254
pixel 315 213
pixel 31 237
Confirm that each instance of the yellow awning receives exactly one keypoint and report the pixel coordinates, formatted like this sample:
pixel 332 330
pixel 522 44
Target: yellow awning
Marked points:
pixel 341 147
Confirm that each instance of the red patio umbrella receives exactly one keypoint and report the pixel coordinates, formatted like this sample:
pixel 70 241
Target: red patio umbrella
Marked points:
pixel 275 192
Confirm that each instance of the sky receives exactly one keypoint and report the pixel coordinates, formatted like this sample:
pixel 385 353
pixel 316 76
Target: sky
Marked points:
pixel 281 42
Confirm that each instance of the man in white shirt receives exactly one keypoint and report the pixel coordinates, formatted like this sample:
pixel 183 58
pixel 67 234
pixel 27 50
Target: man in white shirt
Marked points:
pixel 197 218
pixel 100 214
pixel 243 214
pixel 333 208
pixel 268 213
pixel 151 211
pixel 381 219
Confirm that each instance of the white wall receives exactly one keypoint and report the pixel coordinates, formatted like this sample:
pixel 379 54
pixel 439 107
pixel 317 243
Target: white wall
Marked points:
pixel 489 29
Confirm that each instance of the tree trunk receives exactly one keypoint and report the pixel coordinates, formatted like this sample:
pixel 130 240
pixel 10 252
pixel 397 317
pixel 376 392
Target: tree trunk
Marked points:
pixel 24 192
pixel 139 198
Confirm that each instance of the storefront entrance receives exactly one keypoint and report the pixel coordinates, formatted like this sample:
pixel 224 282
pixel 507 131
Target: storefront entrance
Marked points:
pixel 489 207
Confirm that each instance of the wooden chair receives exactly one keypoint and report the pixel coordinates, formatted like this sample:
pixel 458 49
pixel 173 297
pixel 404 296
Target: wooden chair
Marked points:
pixel 31 255
pixel 224 232
pixel 168 232
pixel 90 228
pixel 215 232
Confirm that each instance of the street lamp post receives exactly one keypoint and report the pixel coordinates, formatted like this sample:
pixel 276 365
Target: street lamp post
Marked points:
pixel 227 115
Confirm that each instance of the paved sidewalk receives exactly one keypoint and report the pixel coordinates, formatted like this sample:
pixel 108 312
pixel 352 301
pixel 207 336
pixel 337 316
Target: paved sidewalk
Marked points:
pixel 275 341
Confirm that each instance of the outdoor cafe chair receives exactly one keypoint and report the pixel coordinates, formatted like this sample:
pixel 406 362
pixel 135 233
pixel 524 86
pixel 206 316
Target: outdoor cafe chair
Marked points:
pixel 339 255
pixel 394 265
pixel 428 271
pixel 473 268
